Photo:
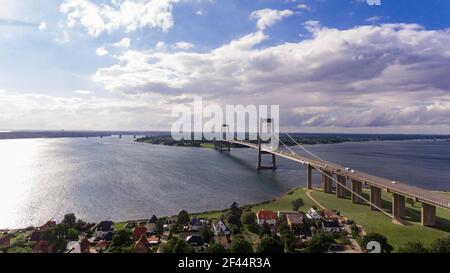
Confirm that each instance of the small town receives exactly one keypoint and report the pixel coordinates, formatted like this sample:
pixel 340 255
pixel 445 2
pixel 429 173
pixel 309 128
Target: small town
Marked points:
pixel 237 230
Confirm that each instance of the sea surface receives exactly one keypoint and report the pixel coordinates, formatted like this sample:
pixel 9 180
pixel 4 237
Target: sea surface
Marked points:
pixel 120 179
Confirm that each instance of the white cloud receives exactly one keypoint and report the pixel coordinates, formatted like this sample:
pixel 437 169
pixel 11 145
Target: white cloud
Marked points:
pixel 128 15
pixel 303 6
pixel 183 45
pixel 199 12
pixel 368 76
pixel 268 17
pixel 124 43
pixel 42 26
pixel 83 92
pixel 101 51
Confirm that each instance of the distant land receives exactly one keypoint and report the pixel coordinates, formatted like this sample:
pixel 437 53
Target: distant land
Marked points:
pixel 302 138
pixel 164 137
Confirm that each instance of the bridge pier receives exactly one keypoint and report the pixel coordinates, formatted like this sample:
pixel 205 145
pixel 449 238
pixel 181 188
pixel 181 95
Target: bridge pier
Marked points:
pixel 309 177
pixel 327 182
pixel 428 217
pixel 341 192
pixel 259 165
pixel 222 146
pixel 375 197
pixel 356 189
pixel 398 206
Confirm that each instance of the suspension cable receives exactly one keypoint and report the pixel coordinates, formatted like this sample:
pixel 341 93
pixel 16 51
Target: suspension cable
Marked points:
pixel 337 182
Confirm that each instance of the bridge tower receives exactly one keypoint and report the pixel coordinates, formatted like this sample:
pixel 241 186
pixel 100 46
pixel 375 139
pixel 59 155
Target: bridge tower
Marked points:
pixel 261 152
pixel 223 146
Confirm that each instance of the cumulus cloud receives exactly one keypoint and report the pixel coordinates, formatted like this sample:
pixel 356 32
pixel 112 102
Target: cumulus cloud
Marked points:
pixel 268 17
pixel 101 51
pixel 128 15
pixel 124 43
pixel 183 45
pixel 42 26
pixel 303 7
pixel 367 76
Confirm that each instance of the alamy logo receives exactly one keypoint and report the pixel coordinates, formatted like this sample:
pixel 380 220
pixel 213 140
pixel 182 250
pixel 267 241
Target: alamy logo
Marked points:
pixel 235 122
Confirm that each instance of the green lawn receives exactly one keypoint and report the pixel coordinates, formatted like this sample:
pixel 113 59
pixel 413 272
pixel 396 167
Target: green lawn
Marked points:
pixel 372 221
pixel 378 222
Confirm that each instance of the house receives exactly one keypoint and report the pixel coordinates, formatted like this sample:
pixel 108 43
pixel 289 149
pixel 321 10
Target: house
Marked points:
pixel 194 240
pixel 42 247
pixel 138 232
pixel 102 246
pixel 282 214
pixel 330 215
pixel 168 223
pixel 220 228
pixel 331 226
pixel 103 228
pixel 73 247
pixel 152 220
pixel 142 245
pixel 313 215
pixel 153 240
pixel 49 224
pixel 223 241
pixel 85 246
pixel 5 242
pixel 195 224
pixel 35 236
pixel 266 216
pixel 294 221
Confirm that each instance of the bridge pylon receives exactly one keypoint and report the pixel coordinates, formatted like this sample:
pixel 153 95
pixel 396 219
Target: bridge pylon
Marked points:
pixel 259 165
pixel 221 145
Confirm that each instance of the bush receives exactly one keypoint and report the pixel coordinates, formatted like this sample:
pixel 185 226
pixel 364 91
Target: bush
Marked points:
pixel 215 248
pixel 240 245
pixel 413 247
pixel 320 243
pixel 441 245
pixel 297 203
pixel 206 234
pixel 271 244
pixel 176 245
pixel 248 218
pixel 254 228
pixel 385 247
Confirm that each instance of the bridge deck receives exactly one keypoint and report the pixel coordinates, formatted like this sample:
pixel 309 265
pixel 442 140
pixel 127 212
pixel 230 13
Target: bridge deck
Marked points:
pixel 420 195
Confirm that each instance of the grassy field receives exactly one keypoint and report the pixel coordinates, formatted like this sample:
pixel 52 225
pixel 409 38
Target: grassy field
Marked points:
pixel 372 221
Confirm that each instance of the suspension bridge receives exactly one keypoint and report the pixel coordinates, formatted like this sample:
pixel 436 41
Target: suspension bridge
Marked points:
pixel 348 183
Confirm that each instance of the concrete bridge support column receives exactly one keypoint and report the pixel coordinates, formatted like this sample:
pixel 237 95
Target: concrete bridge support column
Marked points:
pixel 428 215
pixel 398 206
pixel 356 188
pixel 309 177
pixel 327 182
pixel 375 197
pixel 341 192
pixel 259 165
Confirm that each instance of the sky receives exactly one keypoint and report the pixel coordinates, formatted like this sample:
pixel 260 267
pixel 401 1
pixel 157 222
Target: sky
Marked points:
pixel 331 65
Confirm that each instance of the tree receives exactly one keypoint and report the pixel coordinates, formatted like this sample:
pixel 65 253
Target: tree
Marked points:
pixel 206 234
pixel 69 220
pixel 183 218
pixel 72 234
pixel 376 237
pixel 270 244
pixel 215 248
pixel 240 245
pixel 233 219
pixel 320 243
pixel 413 247
pixel 265 230
pixel 248 218
pixel 159 226
pixel 441 245
pixel 121 238
pixel 176 245
pixel 297 203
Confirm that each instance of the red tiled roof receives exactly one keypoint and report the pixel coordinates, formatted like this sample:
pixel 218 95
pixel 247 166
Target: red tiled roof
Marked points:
pixel 138 232
pixel 142 245
pixel 5 241
pixel 42 247
pixel 49 224
pixel 266 215
pixel 85 246
pixel 102 244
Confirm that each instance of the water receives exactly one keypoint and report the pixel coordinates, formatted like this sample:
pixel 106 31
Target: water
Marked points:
pixel 119 179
